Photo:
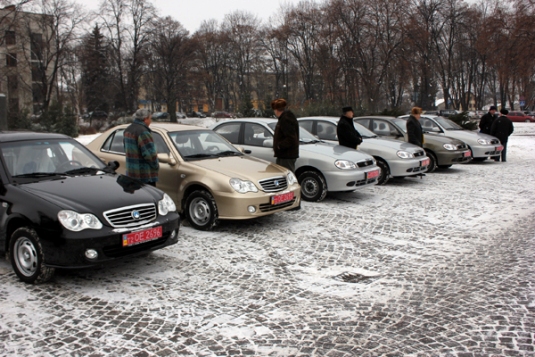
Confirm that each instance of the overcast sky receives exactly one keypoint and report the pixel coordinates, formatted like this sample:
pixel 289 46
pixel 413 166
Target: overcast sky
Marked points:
pixel 190 13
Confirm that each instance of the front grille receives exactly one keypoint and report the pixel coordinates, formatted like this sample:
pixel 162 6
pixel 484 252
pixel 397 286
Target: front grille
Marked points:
pixel 365 163
pixel 419 153
pixel 365 182
pixel 267 207
pixel 274 184
pixel 131 216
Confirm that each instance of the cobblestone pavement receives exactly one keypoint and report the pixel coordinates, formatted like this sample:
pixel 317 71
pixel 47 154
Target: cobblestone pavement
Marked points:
pixel 439 266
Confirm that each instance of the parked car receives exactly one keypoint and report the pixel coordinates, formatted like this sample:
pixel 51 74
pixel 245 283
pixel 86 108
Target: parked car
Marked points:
pixel 443 152
pixel 180 115
pixel 447 112
pixel 208 178
pixel 64 208
pixel 223 115
pixel 481 145
pixel 395 158
pixel 160 116
pixel 196 115
pixel 518 116
pixel 321 167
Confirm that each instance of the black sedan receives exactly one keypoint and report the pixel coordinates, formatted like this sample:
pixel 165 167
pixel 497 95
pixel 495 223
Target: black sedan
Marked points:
pixel 61 207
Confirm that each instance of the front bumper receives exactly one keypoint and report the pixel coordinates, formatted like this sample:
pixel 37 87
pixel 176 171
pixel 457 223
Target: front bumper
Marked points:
pixel 453 157
pixel 480 151
pixel 233 205
pixel 407 167
pixel 66 249
pixel 348 180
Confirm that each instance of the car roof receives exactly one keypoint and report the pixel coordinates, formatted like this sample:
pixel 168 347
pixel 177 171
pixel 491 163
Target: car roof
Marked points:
pixel 375 117
pixel 250 120
pixel 167 126
pixel 10 136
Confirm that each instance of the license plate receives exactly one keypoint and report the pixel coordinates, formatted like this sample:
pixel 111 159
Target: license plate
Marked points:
pixel 425 162
pixel 283 197
pixel 142 236
pixel 466 154
pixel 499 148
pixel 372 174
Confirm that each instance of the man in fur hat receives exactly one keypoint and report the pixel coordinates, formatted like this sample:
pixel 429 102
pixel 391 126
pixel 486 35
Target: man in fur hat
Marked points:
pixel 345 130
pixel 502 128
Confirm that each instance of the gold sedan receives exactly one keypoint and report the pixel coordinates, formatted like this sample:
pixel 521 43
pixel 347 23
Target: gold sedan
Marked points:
pixel 206 176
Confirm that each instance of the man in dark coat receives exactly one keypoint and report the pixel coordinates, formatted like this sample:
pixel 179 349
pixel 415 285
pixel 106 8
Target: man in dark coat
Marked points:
pixel 286 138
pixel 486 120
pixel 502 128
pixel 345 130
pixel 414 128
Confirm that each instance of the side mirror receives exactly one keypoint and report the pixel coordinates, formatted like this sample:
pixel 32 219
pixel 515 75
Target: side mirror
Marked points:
pixel 166 159
pixel 268 143
pixel 114 165
pixel 240 149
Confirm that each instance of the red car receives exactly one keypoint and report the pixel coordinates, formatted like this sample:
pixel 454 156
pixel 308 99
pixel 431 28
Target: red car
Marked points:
pixel 520 117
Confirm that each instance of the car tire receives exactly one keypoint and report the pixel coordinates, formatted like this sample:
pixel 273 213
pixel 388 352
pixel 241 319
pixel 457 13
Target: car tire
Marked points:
pixel 27 257
pixel 385 172
pixel 201 210
pixel 444 166
pixel 432 161
pixel 313 186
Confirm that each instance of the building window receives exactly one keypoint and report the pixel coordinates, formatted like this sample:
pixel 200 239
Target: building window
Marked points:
pixel 36 45
pixel 13 105
pixel 38 94
pixel 12 84
pixel 11 60
pixel 10 38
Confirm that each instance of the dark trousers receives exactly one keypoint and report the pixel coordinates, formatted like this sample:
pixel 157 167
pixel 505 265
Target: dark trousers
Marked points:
pixel 288 163
pixel 504 153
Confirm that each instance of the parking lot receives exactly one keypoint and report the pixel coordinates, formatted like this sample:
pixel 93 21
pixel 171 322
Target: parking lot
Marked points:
pixel 442 265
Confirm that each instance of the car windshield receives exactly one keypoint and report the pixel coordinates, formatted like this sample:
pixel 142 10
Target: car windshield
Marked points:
pixel 448 124
pixel 42 158
pixel 365 133
pixel 305 137
pixel 401 123
pixel 202 144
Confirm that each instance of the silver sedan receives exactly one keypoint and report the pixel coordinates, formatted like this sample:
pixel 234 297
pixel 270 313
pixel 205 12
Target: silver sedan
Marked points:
pixel 394 157
pixel 321 166
pixel 482 145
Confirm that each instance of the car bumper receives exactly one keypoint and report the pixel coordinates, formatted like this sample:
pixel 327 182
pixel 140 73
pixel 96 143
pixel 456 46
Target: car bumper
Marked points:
pixel 233 205
pixel 347 180
pixel 486 150
pixel 407 167
pixel 453 157
pixel 67 249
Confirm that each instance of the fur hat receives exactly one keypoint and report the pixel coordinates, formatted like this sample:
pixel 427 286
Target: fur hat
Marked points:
pixel 278 104
pixel 504 111
pixel 492 107
pixel 347 109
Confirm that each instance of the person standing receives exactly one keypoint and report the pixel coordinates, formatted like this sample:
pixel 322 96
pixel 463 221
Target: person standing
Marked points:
pixel 502 128
pixel 286 138
pixel 141 154
pixel 414 128
pixel 345 130
pixel 486 120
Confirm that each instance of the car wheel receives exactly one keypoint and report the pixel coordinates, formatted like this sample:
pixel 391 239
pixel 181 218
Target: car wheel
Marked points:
pixel 444 166
pixel 313 186
pixel 385 172
pixel 201 210
pixel 27 258
pixel 432 161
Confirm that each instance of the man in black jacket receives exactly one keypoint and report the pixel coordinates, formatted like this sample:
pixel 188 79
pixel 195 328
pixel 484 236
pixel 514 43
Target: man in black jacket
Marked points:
pixel 286 138
pixel 502 128
pixel 486 120
pixel 414 128
pixel 345 130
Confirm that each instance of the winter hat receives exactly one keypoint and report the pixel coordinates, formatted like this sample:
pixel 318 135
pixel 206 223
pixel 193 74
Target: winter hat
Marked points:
pixel 347 109
pixel 492 107
pixel 278 104
pixel 504 111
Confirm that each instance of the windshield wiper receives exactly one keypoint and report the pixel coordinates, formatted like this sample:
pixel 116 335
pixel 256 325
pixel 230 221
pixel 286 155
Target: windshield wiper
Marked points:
pixel 229 153
pixel 199 156
pixel 309 141
pixel 37 174
pixel 83 170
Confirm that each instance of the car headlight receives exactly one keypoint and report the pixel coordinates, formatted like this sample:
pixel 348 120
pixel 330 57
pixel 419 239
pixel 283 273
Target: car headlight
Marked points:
pixel 345 165
pixel 483 142
pixel 166 205
pixel 449 147
pixel 404 154
pixel 77 222
pixel 291 178
pixel 242 186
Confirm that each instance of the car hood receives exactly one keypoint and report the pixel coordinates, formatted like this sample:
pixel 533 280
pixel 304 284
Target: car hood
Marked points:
pixel 243 167
pixel 468 136
pixel 441 139
pixel 334 151
pixel 389 143
pixel 93 194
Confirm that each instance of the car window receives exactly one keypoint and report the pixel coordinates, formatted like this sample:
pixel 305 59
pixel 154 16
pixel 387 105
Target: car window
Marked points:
pixel 255 134
pixel 304 135
pixel 326 131
pixel 115 143
pixel 229 131
pixel 202 144
pixel 448 124
pixel 383 128
pixel 429 125
pixel 306 124
pixel 161 146
pixel 364 122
